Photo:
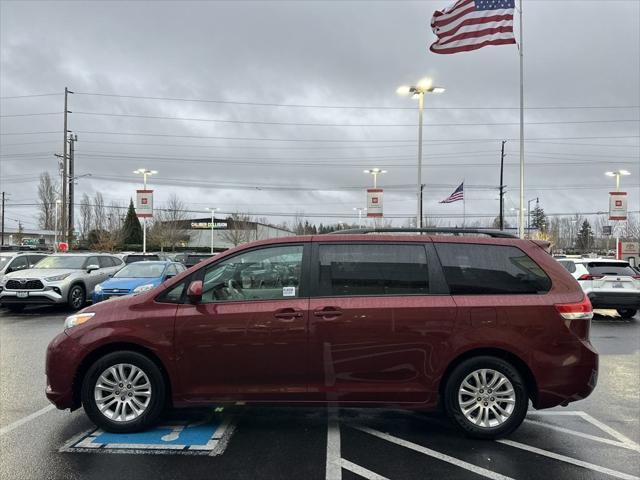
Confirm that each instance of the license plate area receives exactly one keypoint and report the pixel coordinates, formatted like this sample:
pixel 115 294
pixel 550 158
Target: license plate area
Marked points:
pixel 22 294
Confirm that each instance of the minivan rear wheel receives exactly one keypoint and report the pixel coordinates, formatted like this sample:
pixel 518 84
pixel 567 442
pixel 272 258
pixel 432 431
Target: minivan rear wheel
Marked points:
pixel 123 392
pixel 486 397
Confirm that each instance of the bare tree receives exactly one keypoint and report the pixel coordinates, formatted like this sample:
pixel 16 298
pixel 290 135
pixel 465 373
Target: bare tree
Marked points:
pixel 47 196
pixel 169 229
pixel 240 229
pixel 99 219
pixel 86 219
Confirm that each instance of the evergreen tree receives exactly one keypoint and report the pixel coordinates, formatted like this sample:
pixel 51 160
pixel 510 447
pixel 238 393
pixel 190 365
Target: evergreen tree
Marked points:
pixel 131 229
pixel 539 219
pixel 584 240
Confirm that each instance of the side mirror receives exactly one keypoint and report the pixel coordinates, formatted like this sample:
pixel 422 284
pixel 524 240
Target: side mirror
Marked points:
pixel 91 268
pixel 194 292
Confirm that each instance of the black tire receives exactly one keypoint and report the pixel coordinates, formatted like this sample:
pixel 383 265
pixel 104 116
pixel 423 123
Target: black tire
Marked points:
pixel 627 312
pixel 77 297
pixel 157 400
pixel 452 404
pixel 15 307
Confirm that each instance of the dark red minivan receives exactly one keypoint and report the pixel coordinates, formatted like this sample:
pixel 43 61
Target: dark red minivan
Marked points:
pixel 479 323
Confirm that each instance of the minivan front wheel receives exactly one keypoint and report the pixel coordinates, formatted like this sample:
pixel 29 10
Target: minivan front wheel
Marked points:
pixel 486 397
pixel 123 392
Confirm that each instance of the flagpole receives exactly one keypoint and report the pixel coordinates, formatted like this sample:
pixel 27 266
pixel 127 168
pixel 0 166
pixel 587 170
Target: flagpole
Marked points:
pixel 464 206
pixel 521 216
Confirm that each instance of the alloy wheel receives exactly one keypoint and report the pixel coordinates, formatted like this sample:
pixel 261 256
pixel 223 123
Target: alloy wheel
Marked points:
pixel 486 398
pixel 122 392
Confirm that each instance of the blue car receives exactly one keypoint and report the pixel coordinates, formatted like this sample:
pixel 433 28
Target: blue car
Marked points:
pixel 136 277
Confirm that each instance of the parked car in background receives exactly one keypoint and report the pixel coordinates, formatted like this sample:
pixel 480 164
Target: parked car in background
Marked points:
pixel 67 278
pixel 479 324
pixel 140 257
pixel 16 261
pixel 136 277
pixel 608 283
pixel 192 259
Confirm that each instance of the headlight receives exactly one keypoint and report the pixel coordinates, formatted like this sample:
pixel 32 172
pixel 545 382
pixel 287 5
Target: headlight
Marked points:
pixel 57 278
pixel 143 288
pixel 98 289
pixel 78 319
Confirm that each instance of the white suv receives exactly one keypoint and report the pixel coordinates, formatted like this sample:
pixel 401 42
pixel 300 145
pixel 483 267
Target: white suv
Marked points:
pixel 608 283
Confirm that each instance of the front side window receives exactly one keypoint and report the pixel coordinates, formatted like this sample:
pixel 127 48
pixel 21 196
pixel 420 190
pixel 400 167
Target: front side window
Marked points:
pixel 20 263
pixel 490 269
pixel 265 274
pixel 372 269
pixel 105 262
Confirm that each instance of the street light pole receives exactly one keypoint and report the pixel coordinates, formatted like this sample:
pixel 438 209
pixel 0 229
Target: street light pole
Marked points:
pixel 145 173
pixel 360 210
pixel 213 210
pixel 418 91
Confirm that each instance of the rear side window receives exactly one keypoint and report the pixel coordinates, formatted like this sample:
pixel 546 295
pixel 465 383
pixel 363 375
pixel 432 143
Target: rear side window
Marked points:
pixel 610 268
pixel 490 269
pixel 105 262
pixel 372 269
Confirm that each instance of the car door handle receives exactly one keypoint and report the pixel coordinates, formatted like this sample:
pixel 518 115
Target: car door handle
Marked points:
pixel 288 313
pixel 328 312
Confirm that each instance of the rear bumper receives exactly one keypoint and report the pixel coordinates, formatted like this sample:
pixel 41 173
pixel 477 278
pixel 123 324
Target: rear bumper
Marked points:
pixel 574 380
pixel 615 299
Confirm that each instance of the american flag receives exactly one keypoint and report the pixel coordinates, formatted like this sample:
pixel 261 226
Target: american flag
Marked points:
pixel 471 24
pixel 458 194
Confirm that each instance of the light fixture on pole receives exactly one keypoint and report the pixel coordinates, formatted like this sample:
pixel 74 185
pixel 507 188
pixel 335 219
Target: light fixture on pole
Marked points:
pixel 375 172
pixel 360 210
pixel 213 211
pixel 418 91
pixel 618 174
pixel 145 173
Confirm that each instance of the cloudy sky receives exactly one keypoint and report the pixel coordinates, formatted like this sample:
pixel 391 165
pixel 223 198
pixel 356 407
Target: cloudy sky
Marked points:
pixel 296 98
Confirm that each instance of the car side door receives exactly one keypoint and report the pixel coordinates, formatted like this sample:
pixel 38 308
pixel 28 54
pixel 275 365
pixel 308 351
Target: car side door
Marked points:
pixel 94 277
pixel 246 337
pixel 377 314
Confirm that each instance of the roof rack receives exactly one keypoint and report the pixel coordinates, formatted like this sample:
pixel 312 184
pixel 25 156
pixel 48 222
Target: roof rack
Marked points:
pixel 453 231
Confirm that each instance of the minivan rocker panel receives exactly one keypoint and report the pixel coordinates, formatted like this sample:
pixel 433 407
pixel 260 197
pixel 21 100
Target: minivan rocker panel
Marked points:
pixel 477 325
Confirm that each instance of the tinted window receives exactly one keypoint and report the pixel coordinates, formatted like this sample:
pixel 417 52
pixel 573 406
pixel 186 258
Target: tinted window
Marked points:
pixel 610 268
pixel 105 262
pixel 490 269
pixel 140 258
pixel 264 274
pixel 372 269
pixel 570 266
pixel 116 261
pixel 19 263
pixel 92 261
pixel 33 259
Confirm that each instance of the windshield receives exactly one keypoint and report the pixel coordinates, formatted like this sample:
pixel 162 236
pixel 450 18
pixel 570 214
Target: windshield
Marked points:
pixel 4 261
pixel 140 258
pixel 141 270
pixel 72 262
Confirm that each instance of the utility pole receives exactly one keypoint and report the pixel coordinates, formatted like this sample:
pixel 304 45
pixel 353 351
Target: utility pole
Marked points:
pixel 2 241
pixel 72 179
pixel 502 186
pixel 65 170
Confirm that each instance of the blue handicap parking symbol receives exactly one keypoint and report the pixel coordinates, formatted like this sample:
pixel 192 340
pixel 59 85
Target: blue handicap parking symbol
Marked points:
pixel 205 436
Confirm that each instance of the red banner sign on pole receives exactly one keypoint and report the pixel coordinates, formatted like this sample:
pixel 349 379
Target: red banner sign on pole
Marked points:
pixel 374 202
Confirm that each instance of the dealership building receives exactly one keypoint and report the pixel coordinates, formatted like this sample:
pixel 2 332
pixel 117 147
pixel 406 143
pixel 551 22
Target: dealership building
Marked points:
pixel 227 233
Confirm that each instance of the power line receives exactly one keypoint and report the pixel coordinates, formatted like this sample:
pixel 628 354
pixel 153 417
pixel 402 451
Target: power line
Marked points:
pixel 302 124
pixel 30 114
pixel 31 96
pixel 365 107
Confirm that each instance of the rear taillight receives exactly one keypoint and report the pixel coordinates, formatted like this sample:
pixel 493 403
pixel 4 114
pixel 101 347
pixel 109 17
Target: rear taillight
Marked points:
pixel 587 276
pixel 636 277
pixel 576 311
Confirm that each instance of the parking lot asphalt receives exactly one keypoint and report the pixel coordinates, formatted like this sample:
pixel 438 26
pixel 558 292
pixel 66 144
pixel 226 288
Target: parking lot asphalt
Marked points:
pixel 596 438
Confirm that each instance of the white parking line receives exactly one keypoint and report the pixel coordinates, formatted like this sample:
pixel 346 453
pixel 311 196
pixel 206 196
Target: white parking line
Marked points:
pixel 23 420
pixel 334 457
pixel 609 430
pixel 595 438
pixel 573 461
pixel 361 471
pixel 432 453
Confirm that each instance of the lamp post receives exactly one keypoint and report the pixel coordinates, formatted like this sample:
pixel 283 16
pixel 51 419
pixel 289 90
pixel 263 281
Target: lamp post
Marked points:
pixel 375 172
pixel 213 211
pixel 418 91
pixel 617 174
pixel 55 233
pixel 360 210
pixel 145 173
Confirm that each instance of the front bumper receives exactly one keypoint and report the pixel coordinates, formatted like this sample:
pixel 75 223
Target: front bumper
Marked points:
pixel 613 299
pixel 63 358
pixel 34 297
